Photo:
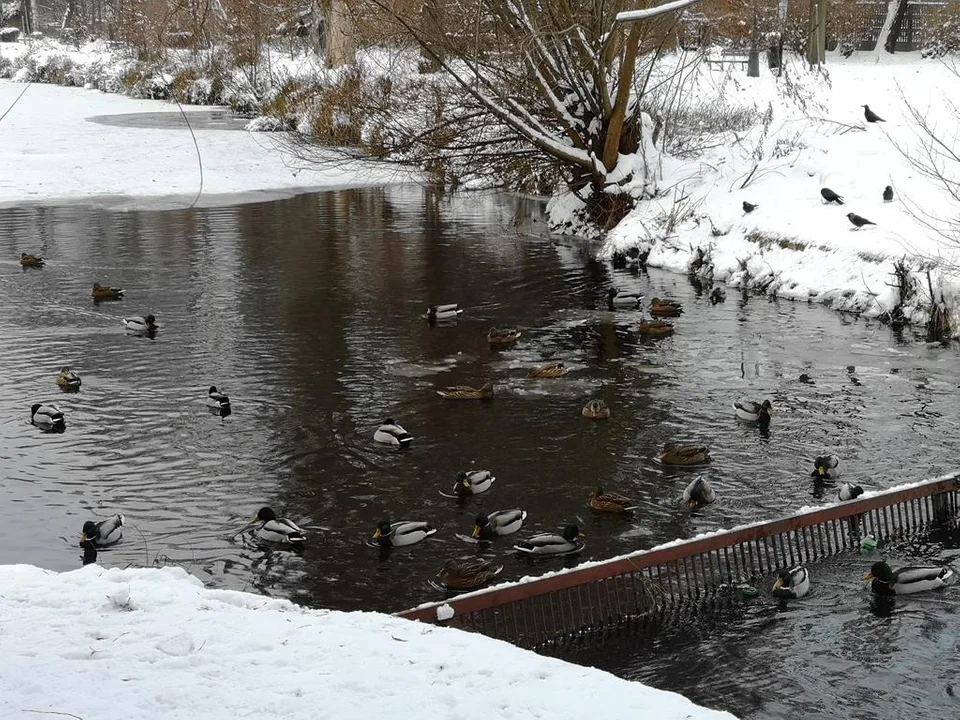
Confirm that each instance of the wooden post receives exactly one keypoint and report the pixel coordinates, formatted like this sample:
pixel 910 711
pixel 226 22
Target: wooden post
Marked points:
pixel 822 6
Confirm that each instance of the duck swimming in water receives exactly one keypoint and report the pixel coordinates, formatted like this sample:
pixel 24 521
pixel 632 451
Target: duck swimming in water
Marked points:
pixel 623 300
pixel 442 313
pixel 753 411
pixel 398 534
pixel 473 482
pixel 792 583
pixel 47 417
pixel 906 580
pixel 462 574
pixel 140 324
pixel 826 467
pixel 699 493
pixel 392 433
pixel 278 530
pixel 103 533
pixel 68 380
pixel 217 399
pixel 502 522
pixel 105 292
pixel 596 410
pixel 566 542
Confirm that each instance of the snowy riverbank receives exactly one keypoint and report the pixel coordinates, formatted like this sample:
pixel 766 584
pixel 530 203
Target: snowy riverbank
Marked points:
pixel 812 134
pixel 156 644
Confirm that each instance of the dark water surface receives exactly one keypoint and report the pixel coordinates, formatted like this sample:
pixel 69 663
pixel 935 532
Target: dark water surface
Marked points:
pixel 308 313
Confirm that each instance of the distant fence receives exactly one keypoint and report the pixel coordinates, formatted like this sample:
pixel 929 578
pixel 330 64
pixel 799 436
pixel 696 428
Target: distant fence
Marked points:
pixel 921 24
pixel 601 595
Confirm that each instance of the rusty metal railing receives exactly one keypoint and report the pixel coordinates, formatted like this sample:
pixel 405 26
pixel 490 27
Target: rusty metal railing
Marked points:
pixel 599 595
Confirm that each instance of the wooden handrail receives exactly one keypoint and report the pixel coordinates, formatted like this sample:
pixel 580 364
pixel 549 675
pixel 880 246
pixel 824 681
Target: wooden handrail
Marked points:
pixel 593 572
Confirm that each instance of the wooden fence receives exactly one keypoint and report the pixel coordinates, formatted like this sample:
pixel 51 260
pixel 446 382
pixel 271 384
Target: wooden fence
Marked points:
pixel 597 596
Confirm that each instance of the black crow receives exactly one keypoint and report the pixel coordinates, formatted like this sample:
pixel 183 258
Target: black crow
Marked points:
pixel 887 194
pixel 858 221
pixel 830 196
pixel 749 207
pixel 870 115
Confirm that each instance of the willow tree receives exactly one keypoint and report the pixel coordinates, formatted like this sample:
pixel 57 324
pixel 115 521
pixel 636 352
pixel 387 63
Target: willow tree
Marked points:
pixel 552 81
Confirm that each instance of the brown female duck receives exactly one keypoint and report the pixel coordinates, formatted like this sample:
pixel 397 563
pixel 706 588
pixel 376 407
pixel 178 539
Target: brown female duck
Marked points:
pixel 674 454
pixel 550 370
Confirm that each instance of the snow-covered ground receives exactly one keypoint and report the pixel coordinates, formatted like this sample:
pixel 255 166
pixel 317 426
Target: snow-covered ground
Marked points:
pixel 811 133
pixel 154 643
pixel 52 153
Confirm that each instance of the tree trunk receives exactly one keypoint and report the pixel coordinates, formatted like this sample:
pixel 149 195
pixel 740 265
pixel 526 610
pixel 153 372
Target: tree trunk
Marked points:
pixel 611 146
pixel 340 34
pixel 892 8
pixel 890 43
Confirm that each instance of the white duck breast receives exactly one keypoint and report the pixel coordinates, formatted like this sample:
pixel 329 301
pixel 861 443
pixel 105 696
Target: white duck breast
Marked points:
pixel 752 411
pixel 390 433
pixel 46 416
pixel 794 583
pixel 443 312
pixel 699 492
pixel 919 579
pixel 507 522
pixel 281 530
pixel 849 492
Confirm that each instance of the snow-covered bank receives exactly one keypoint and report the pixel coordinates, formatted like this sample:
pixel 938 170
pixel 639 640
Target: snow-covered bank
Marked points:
pixel 154 643
pixel 808 132
pixel 51 153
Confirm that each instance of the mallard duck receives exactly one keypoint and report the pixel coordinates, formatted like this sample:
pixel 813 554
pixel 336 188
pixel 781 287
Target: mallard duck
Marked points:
pixel 674 454
pixel 391 433
pixel 473 483
pixel 792 583
pixel 439 313
pixel 665 308
pixel 501 522
pixel 698 493
pixel 467 392
pixel 502 337
pixel 596 410
pixel 826 467
pixel 30 260
pixel 105 292
pixel 717 296
pixel 567 541
pixel 103 533
pixel 140 324
pixel 849 492
pixel 47 417
pixel 610 502
pixel 906 580
pixel 753 411
pixel 550 370
pixel 279 530
pixel 68 379
pixel 617 299
pixel 398 534
pixel 462 574
pixel 217 399
pixel 655 328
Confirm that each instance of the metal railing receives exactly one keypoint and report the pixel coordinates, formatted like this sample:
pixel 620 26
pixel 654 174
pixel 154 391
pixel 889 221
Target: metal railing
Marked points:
pixel 599 595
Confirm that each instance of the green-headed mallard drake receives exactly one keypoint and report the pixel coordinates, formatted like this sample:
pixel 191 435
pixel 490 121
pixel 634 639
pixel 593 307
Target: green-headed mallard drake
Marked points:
pixel 461 574
pixel 473 482
pixel 906 580
pixel 102 533
pixel 217 399
pixel 502 337
pixel 501 522
pixel 47 417
pixel 596 410
pixel 623 300
pixel 674 454
pixel 467 392
pixel 550 370
pixel 398 534
pixel 441 313
pixel 140 324
pixel 610 502
pixel 279 530
pixel 848 491
pixel 105 292
pixel 826 467
pixel 568 541
pixel 699 493
pixel 392 433
pixel 655 328
pixel 717 296
pixel 28 260
pixel 753 411
pixel 792 583
pixel 68 379
pixel 665 308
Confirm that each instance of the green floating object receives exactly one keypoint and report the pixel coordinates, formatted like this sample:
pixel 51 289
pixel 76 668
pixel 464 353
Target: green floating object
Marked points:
pixel 868 543
pixel 749 591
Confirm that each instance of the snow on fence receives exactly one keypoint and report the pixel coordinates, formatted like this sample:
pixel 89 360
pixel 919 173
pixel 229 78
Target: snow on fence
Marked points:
pixel 599 595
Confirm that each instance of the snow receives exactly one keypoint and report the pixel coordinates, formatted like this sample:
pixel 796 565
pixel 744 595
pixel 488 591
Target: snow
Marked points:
pixel 63 156
pixel 808 131
pixel 157 644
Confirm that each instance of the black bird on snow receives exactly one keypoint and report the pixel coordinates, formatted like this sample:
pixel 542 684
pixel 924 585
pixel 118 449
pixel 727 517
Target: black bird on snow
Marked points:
pixel 888 194
pixel 749 207
pixel 858 221
pixel 870 115
pixel 830 196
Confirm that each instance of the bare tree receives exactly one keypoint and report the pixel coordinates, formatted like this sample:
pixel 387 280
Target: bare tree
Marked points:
pixel 552 83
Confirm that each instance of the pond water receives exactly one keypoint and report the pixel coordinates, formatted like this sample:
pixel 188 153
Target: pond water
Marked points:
pixel 308 313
